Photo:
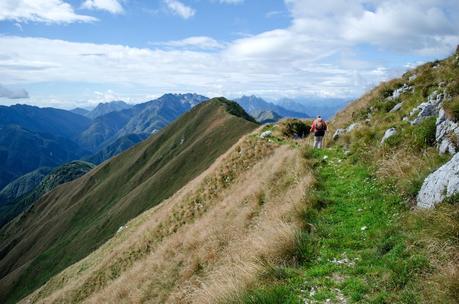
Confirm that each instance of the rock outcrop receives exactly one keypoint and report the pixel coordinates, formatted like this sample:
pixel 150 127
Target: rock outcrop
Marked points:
pixel 338 133
pixel 403 89
pixel 429 108
pixel 447 134
pixel 389 133
pixel 440 185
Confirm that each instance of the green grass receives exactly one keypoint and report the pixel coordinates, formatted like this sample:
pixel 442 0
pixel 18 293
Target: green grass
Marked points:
pixel 357 249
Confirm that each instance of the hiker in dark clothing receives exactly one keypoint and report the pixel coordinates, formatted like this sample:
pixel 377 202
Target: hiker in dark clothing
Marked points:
pixel 319 126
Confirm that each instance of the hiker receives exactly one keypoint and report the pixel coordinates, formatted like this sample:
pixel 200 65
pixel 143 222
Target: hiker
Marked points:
pixel 319 126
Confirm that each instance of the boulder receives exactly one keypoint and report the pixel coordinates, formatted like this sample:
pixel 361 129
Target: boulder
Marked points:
pixel 389 133
pixel 397 107
pixel 338 133
pixel 440 185
pixel 353 126
pixel 266 134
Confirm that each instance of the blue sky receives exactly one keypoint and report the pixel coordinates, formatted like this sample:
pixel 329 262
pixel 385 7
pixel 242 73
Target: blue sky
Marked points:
pixel 77 53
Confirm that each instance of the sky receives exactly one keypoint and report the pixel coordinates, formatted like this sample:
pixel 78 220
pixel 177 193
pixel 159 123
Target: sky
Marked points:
pixel 77 53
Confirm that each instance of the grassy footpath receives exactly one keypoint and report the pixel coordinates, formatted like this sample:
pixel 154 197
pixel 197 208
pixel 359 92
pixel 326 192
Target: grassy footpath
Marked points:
pixel 353 248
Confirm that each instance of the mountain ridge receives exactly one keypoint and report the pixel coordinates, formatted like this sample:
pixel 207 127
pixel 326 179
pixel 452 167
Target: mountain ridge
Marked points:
pixel 104 200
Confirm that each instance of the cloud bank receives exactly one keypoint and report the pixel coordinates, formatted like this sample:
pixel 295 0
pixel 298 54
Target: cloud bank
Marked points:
pixel 318 54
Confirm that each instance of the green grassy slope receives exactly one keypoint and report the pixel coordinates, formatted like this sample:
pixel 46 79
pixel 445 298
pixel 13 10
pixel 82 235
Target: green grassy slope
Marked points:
pixel 363 240
pixel 76 218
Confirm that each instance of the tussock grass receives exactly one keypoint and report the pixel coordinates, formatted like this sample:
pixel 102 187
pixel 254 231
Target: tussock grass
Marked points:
pixel 452 109
pixel 193 248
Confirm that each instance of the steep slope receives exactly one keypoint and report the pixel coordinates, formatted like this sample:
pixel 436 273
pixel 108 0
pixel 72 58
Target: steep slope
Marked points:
pixel 103 129
pixel 51 180
pixel 22 185
pixel 44 120
pixel 148 117
pixel 107 107
pixel 253 105
pixel 68 223
pixel 206 243
pixel 22 151
pixel 121 144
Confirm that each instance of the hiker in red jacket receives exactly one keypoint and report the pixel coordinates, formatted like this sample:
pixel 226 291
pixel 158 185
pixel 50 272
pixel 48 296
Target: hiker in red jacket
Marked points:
pixel 319 126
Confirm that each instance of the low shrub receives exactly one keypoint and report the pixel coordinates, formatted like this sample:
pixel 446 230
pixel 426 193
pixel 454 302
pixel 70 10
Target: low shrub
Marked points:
pixel 294 128
pixel 422 135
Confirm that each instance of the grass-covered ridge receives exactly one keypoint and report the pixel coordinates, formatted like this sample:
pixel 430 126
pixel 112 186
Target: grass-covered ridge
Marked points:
pixel 362 244
pixel 75 219
pixel 206 243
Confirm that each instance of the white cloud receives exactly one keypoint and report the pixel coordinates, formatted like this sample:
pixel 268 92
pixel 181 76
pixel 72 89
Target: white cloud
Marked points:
pixel 421 26
pixel 226 73
pixel 195 42
pixel 180 9
pixel 112 6
pixel 48 11
pixel 13 93
pixel 315 55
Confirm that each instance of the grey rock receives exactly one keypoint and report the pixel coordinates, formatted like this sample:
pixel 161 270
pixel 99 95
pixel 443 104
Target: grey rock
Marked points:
pixel 403 89
pixel 397 107
pixel 412 78
pixel 352 127
pixel 338 133
pixel 441 117
pixel 389 133
pixel 439 185
pixel 429 108
pixel 446 130
pixel 446 146
pixel 266 134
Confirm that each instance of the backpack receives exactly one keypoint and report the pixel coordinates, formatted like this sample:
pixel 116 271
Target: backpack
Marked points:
pixel 320 126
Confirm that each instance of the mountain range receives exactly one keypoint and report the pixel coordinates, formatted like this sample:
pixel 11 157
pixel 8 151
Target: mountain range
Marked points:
pixel 54 137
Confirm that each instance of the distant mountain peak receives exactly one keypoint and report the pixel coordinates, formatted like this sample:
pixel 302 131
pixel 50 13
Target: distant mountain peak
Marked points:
pixel 108 107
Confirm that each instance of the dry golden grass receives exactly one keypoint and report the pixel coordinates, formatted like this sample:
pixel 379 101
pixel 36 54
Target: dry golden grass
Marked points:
pixel 438 231
pixel 206 243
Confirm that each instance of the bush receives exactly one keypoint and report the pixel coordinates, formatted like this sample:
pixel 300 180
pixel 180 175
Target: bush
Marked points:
pixel 452 109
pixel 386 106
pixel 422 135
pixel 294 128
